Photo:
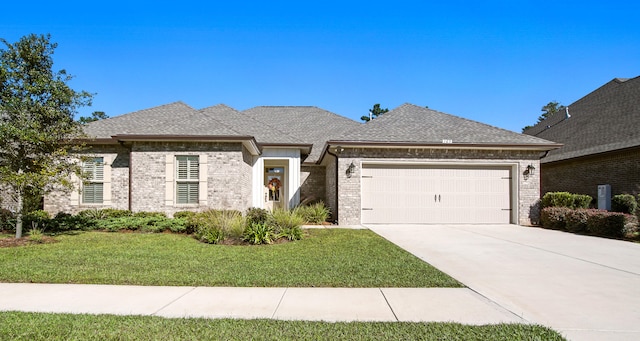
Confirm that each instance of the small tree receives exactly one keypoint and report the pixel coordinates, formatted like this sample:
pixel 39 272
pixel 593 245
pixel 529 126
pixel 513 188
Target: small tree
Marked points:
pixel 375 112
pixel 36 120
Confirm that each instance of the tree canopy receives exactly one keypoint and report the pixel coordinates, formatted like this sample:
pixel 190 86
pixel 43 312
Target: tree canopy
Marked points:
pixel 375 112
pixel 95 116
pixel 37 128
pixel 548 110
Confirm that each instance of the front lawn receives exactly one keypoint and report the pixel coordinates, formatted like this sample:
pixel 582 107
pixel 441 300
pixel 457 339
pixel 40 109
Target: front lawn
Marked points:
pixel 39 326
pixel 324 258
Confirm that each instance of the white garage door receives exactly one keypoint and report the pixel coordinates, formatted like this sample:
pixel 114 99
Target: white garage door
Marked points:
pixel 409 194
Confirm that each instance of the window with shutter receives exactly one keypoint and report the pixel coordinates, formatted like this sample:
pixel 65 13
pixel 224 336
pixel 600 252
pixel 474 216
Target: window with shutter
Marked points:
pixel 93 187
pixel 187 179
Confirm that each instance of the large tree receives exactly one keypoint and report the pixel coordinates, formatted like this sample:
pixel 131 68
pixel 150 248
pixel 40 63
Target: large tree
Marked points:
pixel 37 128
pixel 375 112
pixel 95 116
pixel 548 110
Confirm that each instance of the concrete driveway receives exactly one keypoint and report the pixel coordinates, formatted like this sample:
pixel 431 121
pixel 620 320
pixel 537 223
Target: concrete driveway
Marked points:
pixel 587 288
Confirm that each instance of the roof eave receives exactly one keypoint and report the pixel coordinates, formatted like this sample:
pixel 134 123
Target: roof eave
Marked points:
pixel 305 148
pixel 248 142
pixel 431 145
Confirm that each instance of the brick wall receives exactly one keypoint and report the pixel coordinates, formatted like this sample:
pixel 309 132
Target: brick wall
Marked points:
pixel 312 180
pixel 349 204
pixel 228 180
pixel 60 200
pixel 229 177
pixel 331 186
pixel 619 169
pixel 7 200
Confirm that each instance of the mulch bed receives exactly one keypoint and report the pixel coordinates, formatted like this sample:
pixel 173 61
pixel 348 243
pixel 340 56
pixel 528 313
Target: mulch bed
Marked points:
pixel 24 241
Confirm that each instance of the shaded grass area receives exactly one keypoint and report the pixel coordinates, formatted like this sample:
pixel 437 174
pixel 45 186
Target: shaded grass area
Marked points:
pixel 324 258
pixel 40 326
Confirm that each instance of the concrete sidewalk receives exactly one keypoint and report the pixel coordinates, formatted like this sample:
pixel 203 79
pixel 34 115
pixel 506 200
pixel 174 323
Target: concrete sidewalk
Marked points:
pixel 315 304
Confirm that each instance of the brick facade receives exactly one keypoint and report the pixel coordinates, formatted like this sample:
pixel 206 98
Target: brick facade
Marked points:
pixel 7 200
pixel 331 186
pixel 620 169
pixel 228 178
pixel 62 200
pixel 528 195
pixel 313 183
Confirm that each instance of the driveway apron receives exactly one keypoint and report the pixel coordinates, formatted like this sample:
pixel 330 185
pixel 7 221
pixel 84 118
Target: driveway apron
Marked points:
pixel 587 288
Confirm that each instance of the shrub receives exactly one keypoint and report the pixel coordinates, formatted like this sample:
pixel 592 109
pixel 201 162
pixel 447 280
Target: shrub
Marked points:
pixel 554 217
pixel 176 225
pixel 145 214
pixel 144 224
pixel 624 203
pixel 183 214
pixel 565 199
pixel 93 214
pixel 606 224
pixel 36 235
pixel 317 213
pixel 66 222
pixel 581 201
pixel 256 215
pixel 115 213
pixel 36 219
pixel 576 220
pixel 209 234
pixel 213 226
pixel 259 233
pixel 286 224
pixel 105 213
pixel 7 220
pixel 631 227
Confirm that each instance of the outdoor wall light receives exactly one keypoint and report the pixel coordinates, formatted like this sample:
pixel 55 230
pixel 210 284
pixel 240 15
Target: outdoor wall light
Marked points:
pixel 529 171
pixel 351 169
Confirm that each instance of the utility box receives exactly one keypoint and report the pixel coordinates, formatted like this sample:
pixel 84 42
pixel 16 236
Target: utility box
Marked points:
pixel 604 197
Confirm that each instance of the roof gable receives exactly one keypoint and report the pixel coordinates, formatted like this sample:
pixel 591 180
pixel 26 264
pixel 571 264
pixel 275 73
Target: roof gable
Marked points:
pixel 170 119
pixel 247 125
pixel 306 124
pixel 604 120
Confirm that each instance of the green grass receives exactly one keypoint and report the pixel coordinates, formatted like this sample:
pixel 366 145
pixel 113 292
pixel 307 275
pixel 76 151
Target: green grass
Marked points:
pixel 40 326
pixel 324 258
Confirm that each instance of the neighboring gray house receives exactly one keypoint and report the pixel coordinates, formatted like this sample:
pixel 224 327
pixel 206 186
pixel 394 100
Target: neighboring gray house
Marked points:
pixel 410 165
pixel 600 134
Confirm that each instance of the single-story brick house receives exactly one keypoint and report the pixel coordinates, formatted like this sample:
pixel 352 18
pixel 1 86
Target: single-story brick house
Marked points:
pixel 600 134
pixel 410 165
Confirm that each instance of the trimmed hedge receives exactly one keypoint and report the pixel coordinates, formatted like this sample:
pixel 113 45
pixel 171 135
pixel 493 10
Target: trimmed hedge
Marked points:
pixel 566 199
pixel 624 203
pixel 554 217
pixel 596 222
pixel 577 220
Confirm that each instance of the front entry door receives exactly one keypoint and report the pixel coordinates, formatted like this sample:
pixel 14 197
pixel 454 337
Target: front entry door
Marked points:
pixel 274 188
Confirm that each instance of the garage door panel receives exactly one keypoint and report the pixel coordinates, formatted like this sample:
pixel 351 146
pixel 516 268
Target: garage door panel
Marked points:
pixel 429 194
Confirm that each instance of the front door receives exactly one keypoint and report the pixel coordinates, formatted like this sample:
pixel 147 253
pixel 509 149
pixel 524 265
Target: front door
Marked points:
pixel 274 191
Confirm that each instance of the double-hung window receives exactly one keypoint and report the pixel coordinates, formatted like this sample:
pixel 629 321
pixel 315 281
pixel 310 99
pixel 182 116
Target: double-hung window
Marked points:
pixel 187 179
pixel 93 186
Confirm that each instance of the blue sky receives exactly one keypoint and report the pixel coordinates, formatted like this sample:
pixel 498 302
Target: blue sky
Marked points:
pixel 496 62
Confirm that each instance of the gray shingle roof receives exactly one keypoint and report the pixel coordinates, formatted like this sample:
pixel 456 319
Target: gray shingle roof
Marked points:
pixel 246 125
pixel 170 119
pixel 306 124
pixel 410 123
pixel 602 121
